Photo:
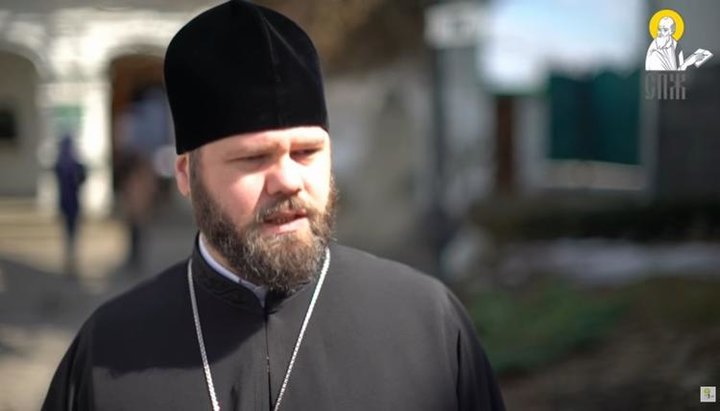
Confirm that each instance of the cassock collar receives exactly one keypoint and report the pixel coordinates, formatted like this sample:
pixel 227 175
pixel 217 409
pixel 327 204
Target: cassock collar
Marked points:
pixel 259 291
pixel 236 294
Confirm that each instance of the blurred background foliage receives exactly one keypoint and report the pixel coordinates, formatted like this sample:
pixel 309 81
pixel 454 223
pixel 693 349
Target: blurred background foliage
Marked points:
pixel 526 330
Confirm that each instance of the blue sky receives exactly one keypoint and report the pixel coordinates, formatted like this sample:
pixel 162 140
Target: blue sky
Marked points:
pixel 524 38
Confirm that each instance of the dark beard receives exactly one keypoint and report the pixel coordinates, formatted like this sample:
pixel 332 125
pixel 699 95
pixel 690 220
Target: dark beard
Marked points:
pixel 282 263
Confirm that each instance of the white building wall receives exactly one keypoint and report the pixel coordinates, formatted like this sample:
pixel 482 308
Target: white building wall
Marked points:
pixel 379 125
pixel 72 50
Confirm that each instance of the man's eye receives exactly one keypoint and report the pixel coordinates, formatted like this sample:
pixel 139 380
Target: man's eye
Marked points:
pixel 305 153
pixel 253 159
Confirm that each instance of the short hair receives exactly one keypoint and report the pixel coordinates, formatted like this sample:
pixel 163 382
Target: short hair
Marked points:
pixel 194 160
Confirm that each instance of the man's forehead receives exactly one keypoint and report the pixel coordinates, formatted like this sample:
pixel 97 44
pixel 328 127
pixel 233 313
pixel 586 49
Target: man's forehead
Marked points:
pixel 304 135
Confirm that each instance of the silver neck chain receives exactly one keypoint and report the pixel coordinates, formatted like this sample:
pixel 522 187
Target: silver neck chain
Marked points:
pixel 298 342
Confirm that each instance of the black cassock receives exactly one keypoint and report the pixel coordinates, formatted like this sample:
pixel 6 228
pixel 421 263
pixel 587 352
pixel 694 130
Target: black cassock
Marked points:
pixel 382 337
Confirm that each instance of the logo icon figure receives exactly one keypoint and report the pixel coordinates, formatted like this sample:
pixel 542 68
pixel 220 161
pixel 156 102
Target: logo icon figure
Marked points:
pixel 667 28
pixel 707 394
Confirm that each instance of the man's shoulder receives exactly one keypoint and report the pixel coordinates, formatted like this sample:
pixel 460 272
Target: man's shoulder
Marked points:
pixel 362 268
pixel 132 331
pixel 158 294
pixel 386 290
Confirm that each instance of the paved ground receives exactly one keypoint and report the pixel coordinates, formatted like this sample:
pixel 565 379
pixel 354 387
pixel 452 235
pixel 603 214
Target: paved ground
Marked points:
pixel 41 308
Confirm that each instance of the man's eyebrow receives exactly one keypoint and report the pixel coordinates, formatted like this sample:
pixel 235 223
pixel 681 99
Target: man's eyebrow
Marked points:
pixel 308 141
pixel 255 147
pixel 266 146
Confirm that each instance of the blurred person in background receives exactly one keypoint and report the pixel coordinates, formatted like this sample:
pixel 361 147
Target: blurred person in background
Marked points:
pixel 70 173
pixel 268 312
pixel 138 187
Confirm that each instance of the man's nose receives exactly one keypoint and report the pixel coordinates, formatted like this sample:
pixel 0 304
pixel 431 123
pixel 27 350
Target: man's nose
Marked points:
pixel 285 177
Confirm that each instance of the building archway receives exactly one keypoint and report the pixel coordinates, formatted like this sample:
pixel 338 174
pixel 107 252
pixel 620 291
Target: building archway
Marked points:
pixel 140 118
pixel 39 61
pixel 19 125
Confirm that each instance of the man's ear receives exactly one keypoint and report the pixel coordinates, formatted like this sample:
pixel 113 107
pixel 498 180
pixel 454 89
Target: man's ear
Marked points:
pixel 182 173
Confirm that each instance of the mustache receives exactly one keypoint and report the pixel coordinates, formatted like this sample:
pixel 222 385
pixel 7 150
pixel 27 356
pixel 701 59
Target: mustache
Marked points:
pixel 284 205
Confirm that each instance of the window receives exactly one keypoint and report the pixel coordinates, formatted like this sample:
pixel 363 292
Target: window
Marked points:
pixel 8 125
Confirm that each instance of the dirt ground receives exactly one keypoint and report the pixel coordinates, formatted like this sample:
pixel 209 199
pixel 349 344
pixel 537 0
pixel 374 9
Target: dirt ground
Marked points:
pixel 665 348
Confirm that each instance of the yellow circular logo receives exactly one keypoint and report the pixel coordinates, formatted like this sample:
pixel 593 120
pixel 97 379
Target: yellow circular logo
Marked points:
pixel 677 18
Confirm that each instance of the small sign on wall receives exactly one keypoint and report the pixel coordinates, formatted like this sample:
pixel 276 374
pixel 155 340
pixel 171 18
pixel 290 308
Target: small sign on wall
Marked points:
pixel 66 119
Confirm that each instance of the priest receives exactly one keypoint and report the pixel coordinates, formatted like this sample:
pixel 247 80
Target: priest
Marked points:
pixel 268 312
